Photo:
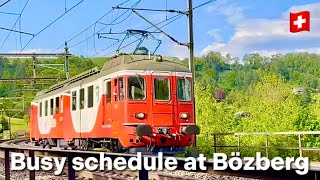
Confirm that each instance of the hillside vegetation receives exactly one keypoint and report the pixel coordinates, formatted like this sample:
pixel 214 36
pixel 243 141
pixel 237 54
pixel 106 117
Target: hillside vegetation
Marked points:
pixel 256 94
pixel 260 94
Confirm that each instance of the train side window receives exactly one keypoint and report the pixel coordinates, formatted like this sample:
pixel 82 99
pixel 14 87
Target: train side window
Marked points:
pixel 46 108
pixel 162 89
pixel 81 98
pixel 90 96
pixel 108 92
pixel 40 109
pixel 51 106
pixel 74 100
pixel 57 105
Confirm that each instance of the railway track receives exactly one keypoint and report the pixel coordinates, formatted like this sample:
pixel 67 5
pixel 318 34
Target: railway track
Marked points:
pixel 85 174
pixel 24 146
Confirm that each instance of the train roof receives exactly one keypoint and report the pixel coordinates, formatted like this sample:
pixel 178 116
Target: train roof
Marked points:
pixel 115 64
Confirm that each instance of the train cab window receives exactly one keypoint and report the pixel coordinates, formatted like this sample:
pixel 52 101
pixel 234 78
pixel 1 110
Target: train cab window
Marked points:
pixel 184 89
pixel 90 96
pixel 74 100
pixel 137 90
pixel 119 87
pixel 108 92
pixel 40 109
pixel 81 98
pixel 51 106
pixel 46 108
pixel 162 89
pixel 57 105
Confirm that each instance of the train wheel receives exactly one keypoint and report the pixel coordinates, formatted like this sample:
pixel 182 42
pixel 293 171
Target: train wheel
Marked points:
pixel 85 145
pixel 47 146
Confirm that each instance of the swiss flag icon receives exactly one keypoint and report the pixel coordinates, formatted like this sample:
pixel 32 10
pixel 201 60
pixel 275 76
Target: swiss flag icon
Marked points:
pixel 300 21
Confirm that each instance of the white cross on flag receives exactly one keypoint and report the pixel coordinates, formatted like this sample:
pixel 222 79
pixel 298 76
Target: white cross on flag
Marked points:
pixel 300 21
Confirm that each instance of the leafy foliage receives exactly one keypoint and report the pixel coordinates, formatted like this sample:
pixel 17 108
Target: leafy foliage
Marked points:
pixel 22 68
pixel 259 97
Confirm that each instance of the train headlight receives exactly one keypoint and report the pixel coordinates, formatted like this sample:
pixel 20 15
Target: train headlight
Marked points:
pixel 140 115
pixel 184 115
pixel 159 58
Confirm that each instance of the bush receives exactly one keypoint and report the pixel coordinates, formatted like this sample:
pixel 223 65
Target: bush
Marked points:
pixel 5 124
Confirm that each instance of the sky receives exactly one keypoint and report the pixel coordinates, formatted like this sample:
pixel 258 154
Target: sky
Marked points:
pixel 235 27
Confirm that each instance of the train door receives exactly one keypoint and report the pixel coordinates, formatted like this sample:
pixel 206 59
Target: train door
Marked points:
pixel 118 104
pixel 75 112
pixel 107 110
pixel 82 109
pixel 162 100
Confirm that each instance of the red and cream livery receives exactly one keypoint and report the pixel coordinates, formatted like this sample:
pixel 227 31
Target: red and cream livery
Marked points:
pixel 135 102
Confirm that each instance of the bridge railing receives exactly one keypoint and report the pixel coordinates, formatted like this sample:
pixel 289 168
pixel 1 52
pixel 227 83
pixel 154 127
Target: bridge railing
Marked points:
pixel 267 146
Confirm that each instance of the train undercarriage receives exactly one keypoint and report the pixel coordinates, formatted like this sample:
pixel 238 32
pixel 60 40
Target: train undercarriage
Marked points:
pixel 111 145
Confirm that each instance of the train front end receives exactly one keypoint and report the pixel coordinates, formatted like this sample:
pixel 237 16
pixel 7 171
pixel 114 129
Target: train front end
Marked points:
pixel 159 108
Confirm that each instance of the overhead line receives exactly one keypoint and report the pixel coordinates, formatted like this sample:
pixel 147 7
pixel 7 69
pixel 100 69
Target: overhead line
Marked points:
pixel 108 25
pixel 5 3
pixel 59 17
pixel 9 13
pixel 173 18
pixel 51 23
pixel 84 30
pixel 203 4
pixel 5 40
pixel 21 32
pixel 89 26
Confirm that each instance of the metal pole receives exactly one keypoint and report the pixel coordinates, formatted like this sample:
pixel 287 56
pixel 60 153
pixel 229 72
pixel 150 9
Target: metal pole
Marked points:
pixel 191 56
pixel 267 145
pixel 7 164
pixel 67 60
pixel 143 173
pixel 23 102
pixel 10 124
pixel 71 171
pixel 34 68
pixel 215 143
pixel 32 174
pixel 238 143
pixel 300 150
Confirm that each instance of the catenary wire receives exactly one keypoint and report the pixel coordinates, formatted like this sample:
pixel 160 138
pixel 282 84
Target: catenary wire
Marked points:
pixel 5 40
pixel 173 18
pixel 112 23
pixel 74 37
pixel 46 27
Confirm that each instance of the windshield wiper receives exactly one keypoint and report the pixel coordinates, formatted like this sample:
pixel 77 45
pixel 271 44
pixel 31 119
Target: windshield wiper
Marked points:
pixel 140 83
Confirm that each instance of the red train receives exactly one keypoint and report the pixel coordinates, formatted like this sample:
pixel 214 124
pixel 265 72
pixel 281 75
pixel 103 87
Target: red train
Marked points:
pixel 134 103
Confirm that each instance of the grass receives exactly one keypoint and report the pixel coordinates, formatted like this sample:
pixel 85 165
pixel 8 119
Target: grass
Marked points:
pixel 99 61
pixel 18 124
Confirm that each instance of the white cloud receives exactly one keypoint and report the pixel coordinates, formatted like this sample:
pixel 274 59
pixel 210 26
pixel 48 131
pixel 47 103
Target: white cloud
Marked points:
pixel 178 51
pixel 267 36
pixel 232 11
pixel 215 34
